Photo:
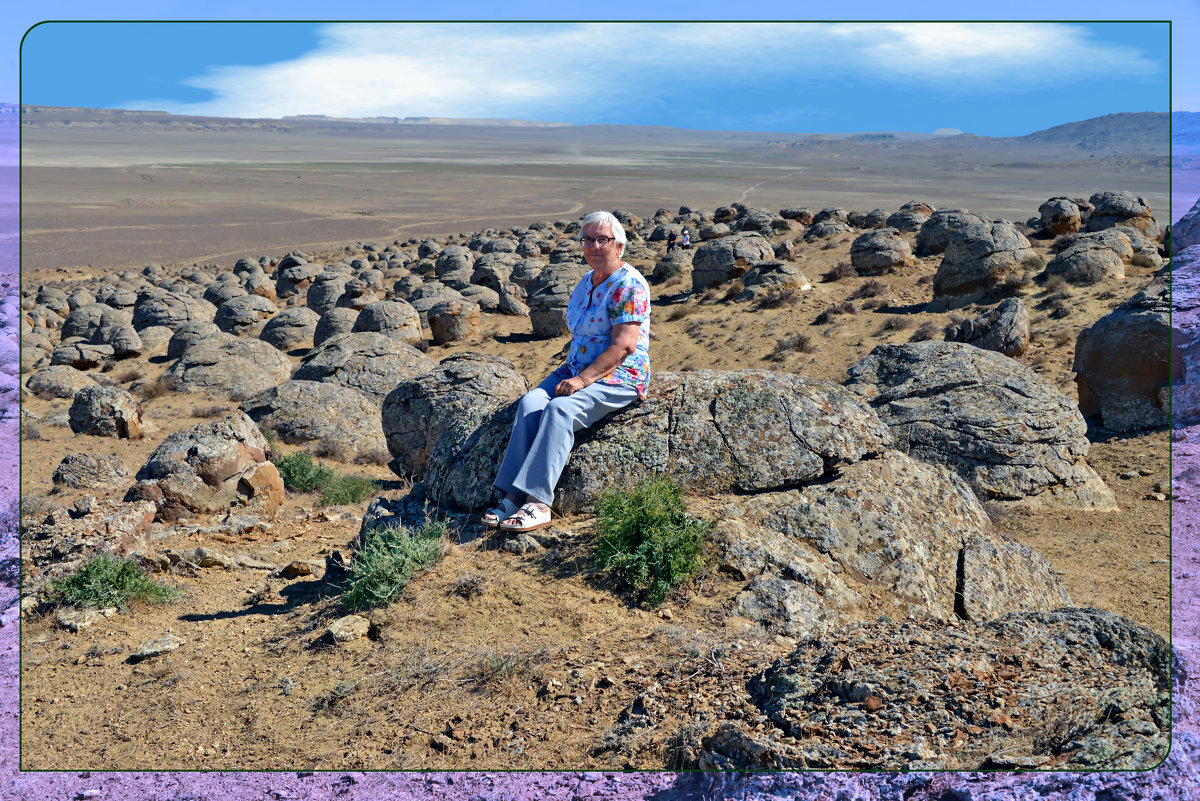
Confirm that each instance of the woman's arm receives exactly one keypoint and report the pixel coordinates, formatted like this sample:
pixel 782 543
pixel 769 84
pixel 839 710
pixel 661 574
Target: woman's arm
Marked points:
pixel 624 342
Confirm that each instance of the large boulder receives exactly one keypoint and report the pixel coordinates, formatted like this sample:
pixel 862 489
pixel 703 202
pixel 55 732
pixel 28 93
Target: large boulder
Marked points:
pixel 420 410
pixel 171 309
pixel 106 412
pixel 291 329
pixel 548 295
pixel 1185 336
pixel 925 695
pixel 1060 215
pixel 228 366
pixel 880 251
pixel 341 420
pixel 1123 209
pixel 720 260
pixel 395 319
pixel 981 257
pixel 940 228
pixel 334 323
pixel 1123 363
pixel 295 275
pixel 748 431
pixel 214 467
pixel 1186 232
pixel 1004 329
pixel 90 471
pixel 1086 262
pixel 774 275
pixel 58 381
pixel 453 321
pixel 60 542
pixel 324 291
pixel 1008 432
pixel 245 316
pixel 371 363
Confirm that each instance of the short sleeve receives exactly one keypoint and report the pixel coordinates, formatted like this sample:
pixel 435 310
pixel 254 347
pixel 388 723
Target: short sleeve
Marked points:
pixel 630 303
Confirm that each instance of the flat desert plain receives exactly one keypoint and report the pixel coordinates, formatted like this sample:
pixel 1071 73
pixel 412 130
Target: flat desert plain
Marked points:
pixel 493 659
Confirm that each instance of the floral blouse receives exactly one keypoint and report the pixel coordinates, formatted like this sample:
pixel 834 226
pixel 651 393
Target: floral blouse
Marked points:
pixel 624 297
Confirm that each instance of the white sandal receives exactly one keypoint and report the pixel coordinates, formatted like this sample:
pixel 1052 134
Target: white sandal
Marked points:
pixel 505 510
pixel 527 518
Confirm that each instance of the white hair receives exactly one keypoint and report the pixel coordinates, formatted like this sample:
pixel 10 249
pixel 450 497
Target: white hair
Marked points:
pixel 606 218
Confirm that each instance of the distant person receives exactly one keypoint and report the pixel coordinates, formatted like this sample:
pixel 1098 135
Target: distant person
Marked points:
pixel 687 240
pixel 671 237
pixel 607 368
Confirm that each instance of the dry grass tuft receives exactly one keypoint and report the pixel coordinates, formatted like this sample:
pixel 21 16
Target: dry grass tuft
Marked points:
pixel 926 331
pixel 841 270
pixel 796 343
pixel 873 288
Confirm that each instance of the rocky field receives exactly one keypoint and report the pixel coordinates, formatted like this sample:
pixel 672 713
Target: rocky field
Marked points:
pixel 934 446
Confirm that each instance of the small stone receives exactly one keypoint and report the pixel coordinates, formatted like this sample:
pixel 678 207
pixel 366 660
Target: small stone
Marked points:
pixel 350 627
pixel 156 647
pixel 873 703
pixel 1128 474
pixel 78 619
pixel 296 569
pixel 666 614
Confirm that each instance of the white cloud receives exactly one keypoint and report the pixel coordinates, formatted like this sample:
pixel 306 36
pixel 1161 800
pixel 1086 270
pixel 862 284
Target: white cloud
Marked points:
pixel 579 71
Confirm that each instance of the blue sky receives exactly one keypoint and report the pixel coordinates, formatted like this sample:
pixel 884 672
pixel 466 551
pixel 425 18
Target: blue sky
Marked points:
pixel 989 78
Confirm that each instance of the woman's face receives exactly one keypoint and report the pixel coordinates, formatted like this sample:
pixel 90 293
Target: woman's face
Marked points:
pixel 601 259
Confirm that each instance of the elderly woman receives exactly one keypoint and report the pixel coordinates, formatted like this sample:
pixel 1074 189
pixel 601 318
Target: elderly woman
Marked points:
pixel 607 368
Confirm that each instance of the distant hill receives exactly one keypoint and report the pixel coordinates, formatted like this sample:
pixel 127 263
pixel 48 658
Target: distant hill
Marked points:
pixel 1185 132
pixel 1126 132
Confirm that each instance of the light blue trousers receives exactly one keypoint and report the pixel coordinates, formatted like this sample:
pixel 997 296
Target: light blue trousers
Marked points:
pixel 544 433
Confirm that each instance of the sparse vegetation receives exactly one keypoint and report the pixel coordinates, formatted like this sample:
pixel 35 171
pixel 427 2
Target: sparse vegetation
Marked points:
pixel 795 343
pixel 211 410
pixel 778 298
pixel 873 288
pixel 845 307
pixel 682 310
pixel 1017 281
pixel 30 431
pixel 1145 260
pixel 106 580
pixel 1034 264
pixel 896 322
pixel 925 331
pixel 495 667
pixel 645 538
pixel 373 456
pixel 734 289
pixel 841 270
pixel 1062 242
pixel 388 560
pixel 301 473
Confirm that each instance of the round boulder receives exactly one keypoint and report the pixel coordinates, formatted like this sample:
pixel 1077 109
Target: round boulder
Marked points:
pixel 880 251
pixel 980 258
pixel 291 329
pixel 720 260
pixel 90 471
pixel 420 410
pixel 106 412
pixel 454 321
pixel 371 363
pixel 395 319
pixel 343 420
pixel 1060 215
pixel 244 316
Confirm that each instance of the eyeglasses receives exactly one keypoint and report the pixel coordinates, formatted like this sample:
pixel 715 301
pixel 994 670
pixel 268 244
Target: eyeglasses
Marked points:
pixel 597 241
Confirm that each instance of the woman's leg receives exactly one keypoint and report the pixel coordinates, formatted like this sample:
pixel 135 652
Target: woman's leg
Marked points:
pixel 525 429
pixel 561 418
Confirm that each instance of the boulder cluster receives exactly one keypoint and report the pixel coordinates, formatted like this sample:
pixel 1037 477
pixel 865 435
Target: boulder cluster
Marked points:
pixel 832 494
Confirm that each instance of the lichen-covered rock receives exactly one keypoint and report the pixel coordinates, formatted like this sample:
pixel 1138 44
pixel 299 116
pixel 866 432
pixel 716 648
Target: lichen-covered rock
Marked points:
pixel 995 422
pixel 230 366
pixel 420 410
pixel 344 420
pixel 773 275
pixel 171 309
pixel 58 381
pixel 371 363
pixel 548 295
pixel 720 260
pixel 1185 336
pixel 1105 672
pixel 245 316
pixel 1004 329
pixel 291 329
pixel 453 321
pixel 212 468
pixel 1060 215
pixel 106 412
pixel 334 323
pixel 1122 209
pixel 880 251
pixel 748 430
pixel 980 257
pixel 1186 232
pixel 81 355
pixel 99 526
pixel 1086 262
pixel 395 319
pixel 1123 363
pixel 90 471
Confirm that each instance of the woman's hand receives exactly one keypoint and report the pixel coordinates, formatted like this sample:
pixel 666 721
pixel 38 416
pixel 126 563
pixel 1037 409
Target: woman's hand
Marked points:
pixel 570 386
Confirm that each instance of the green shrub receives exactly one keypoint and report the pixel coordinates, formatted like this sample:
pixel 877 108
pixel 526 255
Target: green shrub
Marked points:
pixel 388 560
pixel 347 489
pixel 106 580
pixel 645 537
pixel 301 473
